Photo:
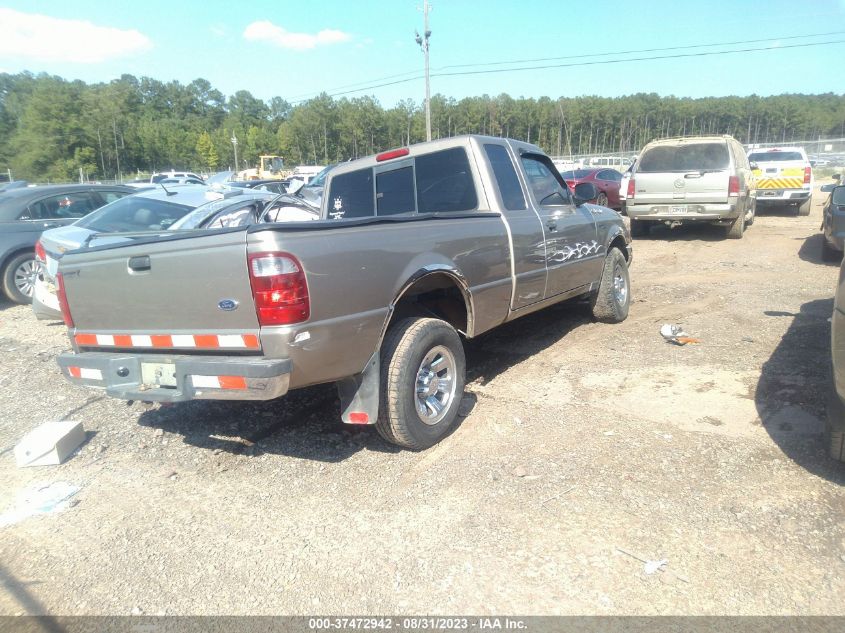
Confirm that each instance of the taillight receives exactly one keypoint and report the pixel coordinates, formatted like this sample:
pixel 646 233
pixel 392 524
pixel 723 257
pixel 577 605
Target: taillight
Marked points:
pixel 808 172
pixel 40 253
pixel 60 292
pixel 630 193
pixel 278 288
pixel 733 186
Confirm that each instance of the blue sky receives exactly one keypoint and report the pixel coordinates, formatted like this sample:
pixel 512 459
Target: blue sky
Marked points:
pixel 298 49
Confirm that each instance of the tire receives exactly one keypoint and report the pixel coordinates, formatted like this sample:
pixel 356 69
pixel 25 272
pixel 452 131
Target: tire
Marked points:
pixel 601 199
pixel 753 217
pixel 804 209
pixel 612 300
pixel 736 229
pixel 639 228
pixel 829 254
pixel 19 277
pixel 408 351
pixel 834 428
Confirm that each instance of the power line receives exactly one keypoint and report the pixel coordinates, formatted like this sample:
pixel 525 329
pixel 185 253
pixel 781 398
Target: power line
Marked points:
pixel 361 86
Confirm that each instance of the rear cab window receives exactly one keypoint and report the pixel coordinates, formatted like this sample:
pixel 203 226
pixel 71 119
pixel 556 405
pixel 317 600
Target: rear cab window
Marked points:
pixel 685 157
pixel 438 182
pixel 770 157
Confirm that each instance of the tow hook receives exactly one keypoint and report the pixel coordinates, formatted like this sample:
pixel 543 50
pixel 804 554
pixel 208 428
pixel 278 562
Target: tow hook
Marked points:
pixel 673 223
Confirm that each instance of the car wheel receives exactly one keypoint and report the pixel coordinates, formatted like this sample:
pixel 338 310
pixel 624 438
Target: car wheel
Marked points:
pixel 752 215
pixel 804 209
pixel 423 371
pixel 639 228
pixel 601 199
pixel 19 277
pixel 611 301
pixel 829 254
pixel 736 229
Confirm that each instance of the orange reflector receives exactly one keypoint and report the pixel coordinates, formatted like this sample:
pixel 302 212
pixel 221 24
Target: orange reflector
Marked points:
pixel 359 417
pixel 76 372
pixel 86 339
pixel 232 382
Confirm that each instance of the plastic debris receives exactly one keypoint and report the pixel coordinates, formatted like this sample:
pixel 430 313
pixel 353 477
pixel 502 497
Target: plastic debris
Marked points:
pixel 675 334
pixel 49 444
pixel 40 499
pixel 654 565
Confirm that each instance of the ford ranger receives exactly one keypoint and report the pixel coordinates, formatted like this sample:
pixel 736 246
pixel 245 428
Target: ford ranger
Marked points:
pixel 414 248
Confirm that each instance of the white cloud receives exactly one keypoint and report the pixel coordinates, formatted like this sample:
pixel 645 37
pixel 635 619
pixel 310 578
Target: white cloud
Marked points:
pixel 45 38
pixel 266 31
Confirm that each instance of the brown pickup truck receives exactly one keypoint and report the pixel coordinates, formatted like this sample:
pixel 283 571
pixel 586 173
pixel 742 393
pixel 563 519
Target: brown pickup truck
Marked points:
pixel 415 248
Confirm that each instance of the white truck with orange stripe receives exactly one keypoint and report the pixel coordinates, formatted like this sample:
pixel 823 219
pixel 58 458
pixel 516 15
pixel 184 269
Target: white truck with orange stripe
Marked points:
pixel 783 177
pixel 414 248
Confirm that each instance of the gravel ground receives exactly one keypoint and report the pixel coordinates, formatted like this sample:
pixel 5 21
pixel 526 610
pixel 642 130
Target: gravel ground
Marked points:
pixel 584 447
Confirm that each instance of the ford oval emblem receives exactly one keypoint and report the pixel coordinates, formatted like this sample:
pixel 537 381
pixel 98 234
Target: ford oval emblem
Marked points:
pixel 227 305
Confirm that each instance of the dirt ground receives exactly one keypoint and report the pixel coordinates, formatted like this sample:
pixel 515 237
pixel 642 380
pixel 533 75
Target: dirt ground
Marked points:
pixel 584 448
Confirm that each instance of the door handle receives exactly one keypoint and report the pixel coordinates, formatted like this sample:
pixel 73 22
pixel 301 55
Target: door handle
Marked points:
pixel 139 264
pixel 552 224
pixel 51 225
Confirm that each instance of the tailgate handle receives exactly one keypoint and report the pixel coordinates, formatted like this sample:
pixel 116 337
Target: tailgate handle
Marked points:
pixel 139 264
pixel 696 174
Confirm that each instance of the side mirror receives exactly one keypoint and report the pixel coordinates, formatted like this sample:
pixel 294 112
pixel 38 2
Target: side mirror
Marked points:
pixel 584 192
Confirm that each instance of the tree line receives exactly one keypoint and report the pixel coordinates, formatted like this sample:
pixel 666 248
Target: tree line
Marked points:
pixel 51 128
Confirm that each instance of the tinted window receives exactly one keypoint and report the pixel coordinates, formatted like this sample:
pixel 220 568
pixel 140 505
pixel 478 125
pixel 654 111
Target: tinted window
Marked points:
pixel 768 157
pixel 506 178
pixel 134 213
pixel 686 157
pixel 64 205
pixel 352 195
pixel 111 196
pixel 547 189
pixel 838 195
pixel 609 174
pixel 444 182
pixel 395 191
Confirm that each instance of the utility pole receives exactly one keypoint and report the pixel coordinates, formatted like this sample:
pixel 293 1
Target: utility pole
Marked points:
pixel 234 140
pixel 116 153
pixel 423 42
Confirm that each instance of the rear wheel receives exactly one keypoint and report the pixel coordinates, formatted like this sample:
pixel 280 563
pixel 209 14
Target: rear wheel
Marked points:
pixel 611 302
pixel 735 230
pixel 19 277
pixel 834 434
pixel 423 371
pixel 829 254
pixel 639 228
pixel 601 199
pixel 804 209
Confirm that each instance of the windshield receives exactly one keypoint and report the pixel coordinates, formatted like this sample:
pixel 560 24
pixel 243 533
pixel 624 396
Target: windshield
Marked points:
pixel 771 157
pixel 134 213
pixel 685 157
pixel 230 214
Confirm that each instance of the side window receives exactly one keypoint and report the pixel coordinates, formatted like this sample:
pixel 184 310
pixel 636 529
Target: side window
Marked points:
pixel 610 174
pixel 444 182
pixel 506 177
pixel 547 188
pixel 351 195
pixel 62 206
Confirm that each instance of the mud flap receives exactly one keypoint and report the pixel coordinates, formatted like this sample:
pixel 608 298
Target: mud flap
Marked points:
pixel 359 394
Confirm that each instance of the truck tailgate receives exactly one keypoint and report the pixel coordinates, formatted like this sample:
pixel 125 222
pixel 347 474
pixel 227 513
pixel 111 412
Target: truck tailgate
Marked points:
pixel 693 187
pixel 780 175
pixel 190 293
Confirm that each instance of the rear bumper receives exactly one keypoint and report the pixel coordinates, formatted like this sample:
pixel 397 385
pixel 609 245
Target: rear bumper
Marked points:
pixel 196 377
pixel 682 211
pixel 779 196
pixel 45 303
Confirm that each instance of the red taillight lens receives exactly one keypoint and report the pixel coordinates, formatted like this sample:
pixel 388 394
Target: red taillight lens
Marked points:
pixel 40 253
pixel 808 172
pixel 733 186
pixel 278 288
pixel 60 291
pixel 394 153
pixel 630 193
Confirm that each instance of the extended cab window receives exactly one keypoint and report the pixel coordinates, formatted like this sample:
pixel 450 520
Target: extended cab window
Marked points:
pixel 444 182
pixel 544 180
pixel 352 195
pixel 395 191
pixel 506 178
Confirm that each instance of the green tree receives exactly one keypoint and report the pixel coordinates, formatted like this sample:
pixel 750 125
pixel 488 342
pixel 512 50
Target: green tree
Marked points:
pixel 206 151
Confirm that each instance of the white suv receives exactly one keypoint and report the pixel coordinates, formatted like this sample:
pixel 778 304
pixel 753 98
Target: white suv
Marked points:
pixel 784 177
